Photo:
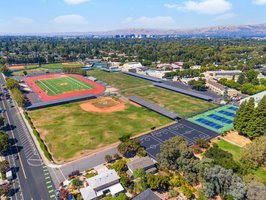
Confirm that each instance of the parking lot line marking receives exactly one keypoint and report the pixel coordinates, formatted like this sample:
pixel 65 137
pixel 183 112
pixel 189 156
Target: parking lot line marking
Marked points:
pixel 48 182
pixel 52 196
pixel 47 177
pixel 49 186
pixel 50 191
pixel 45 170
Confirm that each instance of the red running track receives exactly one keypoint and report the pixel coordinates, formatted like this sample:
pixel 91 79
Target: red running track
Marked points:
pixel 44 97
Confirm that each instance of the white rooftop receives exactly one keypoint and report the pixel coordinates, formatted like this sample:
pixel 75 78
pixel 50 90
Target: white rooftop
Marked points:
pixel 88 193
pixel 103 179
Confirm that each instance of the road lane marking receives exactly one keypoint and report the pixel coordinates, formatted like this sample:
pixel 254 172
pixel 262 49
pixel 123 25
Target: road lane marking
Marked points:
pixel 22 166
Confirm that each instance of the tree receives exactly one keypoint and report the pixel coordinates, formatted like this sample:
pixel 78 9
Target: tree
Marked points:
pixel 176 155
pixel 76 182
pixel 198 85
pixel 257 124
pixel 25 73
pixel 3 166
pixel 203 143
pixel 241 78
pixel 156 182
pixel 222 158
pixel 253 154
pixel 12 84
pixel 249 120
pixel 19 97
pixel 129 148
pixel 119 166
pixel 256 191
pixel 2 121
pixel 139 173
pixel 186 191
pixel 116 156
pixel 4 142
pixel 221 181
pixel 252 75
pixel 108 158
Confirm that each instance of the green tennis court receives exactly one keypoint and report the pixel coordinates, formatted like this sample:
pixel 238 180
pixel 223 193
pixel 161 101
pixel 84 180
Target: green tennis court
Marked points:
pixel 56 86
pixel 219 120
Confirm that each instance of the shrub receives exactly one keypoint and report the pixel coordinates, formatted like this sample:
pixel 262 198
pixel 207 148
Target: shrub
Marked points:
pixel 108 158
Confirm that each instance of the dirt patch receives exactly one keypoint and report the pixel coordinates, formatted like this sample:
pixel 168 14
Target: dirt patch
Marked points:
pixel 103 105
pixel 237 139
pixel 16 67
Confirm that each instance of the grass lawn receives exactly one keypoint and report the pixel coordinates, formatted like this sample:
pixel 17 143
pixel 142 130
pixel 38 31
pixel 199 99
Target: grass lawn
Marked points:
pixel 56 86
pixel 68 131
pixel 183 105
pixel 259 174
pixel 233 149
pixel 61 65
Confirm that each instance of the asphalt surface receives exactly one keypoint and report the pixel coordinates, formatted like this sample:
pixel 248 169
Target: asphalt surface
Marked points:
pixel 188 130
pixel 61 173
pixel 32 180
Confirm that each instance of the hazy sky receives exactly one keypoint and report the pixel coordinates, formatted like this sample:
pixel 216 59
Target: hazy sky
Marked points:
pixel 45 16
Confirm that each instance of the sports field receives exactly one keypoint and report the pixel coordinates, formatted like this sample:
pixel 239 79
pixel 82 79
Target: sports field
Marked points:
pixel 219 120
pixel 70 132
pixel 56 86
pixel 130 86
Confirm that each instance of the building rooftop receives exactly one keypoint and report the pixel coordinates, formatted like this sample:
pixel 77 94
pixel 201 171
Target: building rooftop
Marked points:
pixel 147 195
pixel 215 84
pixel 140 163
pixel 103 179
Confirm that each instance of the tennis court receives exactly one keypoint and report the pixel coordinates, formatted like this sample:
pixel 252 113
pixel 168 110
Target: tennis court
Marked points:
pixel 219 120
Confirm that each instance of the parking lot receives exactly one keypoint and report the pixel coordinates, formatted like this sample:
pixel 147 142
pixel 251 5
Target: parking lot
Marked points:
pixel 188 130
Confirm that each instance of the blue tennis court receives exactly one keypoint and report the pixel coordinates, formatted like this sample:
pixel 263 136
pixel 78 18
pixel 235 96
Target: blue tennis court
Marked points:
pixel 221 119
pixel 209 123
pixel 227 113
pixel 233 108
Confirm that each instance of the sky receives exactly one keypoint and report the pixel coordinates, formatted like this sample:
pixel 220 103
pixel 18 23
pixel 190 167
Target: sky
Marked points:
pixel 54 16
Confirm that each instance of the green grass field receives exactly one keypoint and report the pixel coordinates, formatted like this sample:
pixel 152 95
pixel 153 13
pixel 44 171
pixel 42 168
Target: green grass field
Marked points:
pixel 225 126
pixel 183 105
pixel 61 65
pixel 259 174
pixel 56 86
pixel 68 131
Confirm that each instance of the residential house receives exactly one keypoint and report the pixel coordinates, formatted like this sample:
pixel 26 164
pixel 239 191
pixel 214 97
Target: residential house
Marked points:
pixel 147 195
pixel 101 185
pixel 145 163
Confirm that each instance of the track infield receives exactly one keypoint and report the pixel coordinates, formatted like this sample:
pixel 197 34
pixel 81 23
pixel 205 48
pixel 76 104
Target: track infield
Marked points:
pixel 59 86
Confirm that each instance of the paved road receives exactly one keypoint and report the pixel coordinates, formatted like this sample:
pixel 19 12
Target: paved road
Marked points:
pixel 32 178
pixel 61 173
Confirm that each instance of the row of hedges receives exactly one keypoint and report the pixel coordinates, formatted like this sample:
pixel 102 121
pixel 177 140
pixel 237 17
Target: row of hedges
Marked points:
pixel 37 135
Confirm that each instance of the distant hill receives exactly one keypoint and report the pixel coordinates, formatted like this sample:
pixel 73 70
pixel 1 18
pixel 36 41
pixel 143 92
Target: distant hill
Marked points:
pixel 232 30
pixel 258 30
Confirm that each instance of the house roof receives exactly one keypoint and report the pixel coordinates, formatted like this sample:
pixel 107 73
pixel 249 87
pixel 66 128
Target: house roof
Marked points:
pixel 147 195
pixel 103 179
pixel 140 163
pixel 88 193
